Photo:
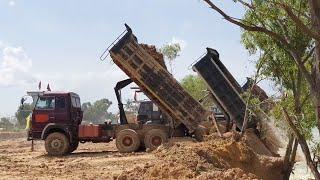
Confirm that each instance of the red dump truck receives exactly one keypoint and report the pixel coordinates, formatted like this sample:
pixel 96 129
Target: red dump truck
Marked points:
pixel 57 116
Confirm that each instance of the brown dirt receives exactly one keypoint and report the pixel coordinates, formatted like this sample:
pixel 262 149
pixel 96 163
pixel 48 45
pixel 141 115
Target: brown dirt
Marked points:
pixel 181 158
pixel 152 50
pixel 216 158
pixel 89 161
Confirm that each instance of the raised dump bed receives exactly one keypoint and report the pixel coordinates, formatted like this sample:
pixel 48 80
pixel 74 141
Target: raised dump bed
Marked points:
pixel 156 82
pixel 223 86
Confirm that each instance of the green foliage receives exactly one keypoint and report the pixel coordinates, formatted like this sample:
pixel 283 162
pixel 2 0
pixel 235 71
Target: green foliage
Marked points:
pixel 277 63
pixel 5 124
pixel 97 112
pixel 22 113
pixel 196 87
pixel 275 58
pixel 171 52
pixel 306 120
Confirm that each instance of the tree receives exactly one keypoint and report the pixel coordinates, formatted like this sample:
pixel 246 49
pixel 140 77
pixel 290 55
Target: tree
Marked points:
pixel 284 32
pixel 6 124
pixel 304 15
pixel 196 87
pixel 97 112
pixel 171 52
pixel 278 65
pixel 22 114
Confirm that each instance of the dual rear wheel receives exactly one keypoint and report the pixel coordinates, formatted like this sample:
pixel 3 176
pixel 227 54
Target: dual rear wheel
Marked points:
pixel 128 140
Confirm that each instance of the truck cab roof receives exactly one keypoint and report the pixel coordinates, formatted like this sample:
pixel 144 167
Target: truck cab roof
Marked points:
pixel 60 93
pixel 44 93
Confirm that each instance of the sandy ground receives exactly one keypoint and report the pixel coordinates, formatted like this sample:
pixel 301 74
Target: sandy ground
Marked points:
pixel 179 159
pixel 89 161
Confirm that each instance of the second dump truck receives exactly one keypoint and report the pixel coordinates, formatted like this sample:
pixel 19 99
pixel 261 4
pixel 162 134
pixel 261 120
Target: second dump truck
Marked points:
pixel 57 116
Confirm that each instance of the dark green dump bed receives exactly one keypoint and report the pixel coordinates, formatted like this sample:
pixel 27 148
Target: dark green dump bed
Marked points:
pixel 156 82
pixel 223 86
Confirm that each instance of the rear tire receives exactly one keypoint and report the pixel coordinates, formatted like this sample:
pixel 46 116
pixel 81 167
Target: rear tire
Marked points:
pixel 154 138
pixel 127 141
pixel 57 144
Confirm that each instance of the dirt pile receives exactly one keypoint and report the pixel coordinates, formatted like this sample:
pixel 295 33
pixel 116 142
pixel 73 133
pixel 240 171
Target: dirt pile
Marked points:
pixel 216 158
pixel 152 50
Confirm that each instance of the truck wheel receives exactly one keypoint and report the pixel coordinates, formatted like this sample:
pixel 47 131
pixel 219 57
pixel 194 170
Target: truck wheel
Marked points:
pixel 73 146
pixel 200 132
pixel 127 140
pixel 155 138
pixel 57 144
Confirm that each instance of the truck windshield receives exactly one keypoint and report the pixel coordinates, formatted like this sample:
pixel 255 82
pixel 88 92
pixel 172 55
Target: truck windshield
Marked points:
pixel 45 103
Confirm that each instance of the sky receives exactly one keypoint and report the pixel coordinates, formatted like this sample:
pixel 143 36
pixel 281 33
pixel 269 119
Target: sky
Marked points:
pixel 59 42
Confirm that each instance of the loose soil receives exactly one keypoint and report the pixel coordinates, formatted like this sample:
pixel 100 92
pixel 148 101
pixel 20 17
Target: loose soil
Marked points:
pixel 181 158
pixel 89 161
pixel 152 50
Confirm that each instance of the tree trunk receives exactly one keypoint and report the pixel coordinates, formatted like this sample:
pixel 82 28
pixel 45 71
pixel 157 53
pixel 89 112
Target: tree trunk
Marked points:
pixel 286 160
pixel 317 82
pixel 290 157
pixel 317 109
pixel 303 145
pixel 315 17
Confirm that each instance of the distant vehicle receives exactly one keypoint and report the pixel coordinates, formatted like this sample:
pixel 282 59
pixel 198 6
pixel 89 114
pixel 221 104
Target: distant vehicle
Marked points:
pixel 218 114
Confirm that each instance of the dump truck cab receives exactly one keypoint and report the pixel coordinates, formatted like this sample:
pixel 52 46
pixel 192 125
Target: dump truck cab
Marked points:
pixel 56 118
pixel 150 113
pixel 57 113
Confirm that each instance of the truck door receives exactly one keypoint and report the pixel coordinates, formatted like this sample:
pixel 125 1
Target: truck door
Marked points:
pixel 43 113
pixel 62 115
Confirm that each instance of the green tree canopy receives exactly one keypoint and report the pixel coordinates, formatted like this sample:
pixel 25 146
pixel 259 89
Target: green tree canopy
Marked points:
pixel 171 52
pixel 277 64
pixel 98 111
pixel 196 87
pixel 5 124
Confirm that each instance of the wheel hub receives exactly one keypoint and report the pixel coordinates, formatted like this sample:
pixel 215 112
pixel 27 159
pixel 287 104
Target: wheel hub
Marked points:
pixel 156 141
pixel 127 141
pixel 56 143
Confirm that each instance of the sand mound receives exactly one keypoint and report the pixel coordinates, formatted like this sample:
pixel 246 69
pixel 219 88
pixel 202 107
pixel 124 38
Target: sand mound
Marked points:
pixel 216 158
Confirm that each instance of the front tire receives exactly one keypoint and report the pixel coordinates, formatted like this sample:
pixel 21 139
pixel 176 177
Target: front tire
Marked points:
pixel 57 144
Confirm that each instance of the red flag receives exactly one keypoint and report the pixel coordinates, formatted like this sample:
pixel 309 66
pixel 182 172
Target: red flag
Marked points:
pixel 48 88
pixel 39 85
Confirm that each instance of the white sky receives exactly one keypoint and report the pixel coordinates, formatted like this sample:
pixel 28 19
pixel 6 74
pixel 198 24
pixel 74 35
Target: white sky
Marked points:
pixel 59 42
